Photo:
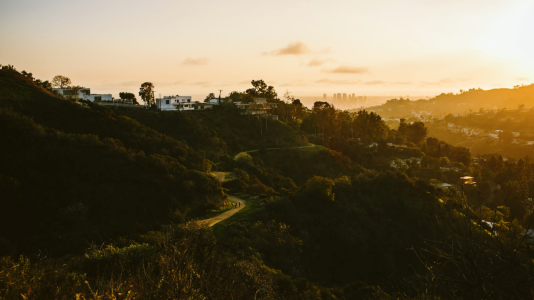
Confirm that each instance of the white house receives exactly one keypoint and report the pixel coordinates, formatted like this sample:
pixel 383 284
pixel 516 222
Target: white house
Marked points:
pixel 82 93
pixel 175 103
pixel 100 98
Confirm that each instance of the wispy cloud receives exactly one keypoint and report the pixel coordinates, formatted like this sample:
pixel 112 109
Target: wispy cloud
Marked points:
pixel 444 81
pixel 315 62
pixel 403 82
pixel 374 82
pixel 319 62
pixel 348 70
pixel 522 79
pixel 325 51
pixel 196 61
pixel 294 83
pixel 296 48
pixel 202 84
pixel 334 81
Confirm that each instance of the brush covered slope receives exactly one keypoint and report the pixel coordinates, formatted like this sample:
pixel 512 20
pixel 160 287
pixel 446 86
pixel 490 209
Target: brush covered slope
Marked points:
pixel 73 173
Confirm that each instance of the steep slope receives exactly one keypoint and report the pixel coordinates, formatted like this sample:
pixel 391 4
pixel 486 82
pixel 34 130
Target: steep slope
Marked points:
pixel 73 174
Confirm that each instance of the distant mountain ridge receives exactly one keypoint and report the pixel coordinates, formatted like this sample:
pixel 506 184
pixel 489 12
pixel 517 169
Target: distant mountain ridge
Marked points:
pixel 464 102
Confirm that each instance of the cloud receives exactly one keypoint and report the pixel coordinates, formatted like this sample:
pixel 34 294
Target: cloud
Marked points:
pixel 319 62
pixel 522 79
pixel 403 82
pixel 296 48
pixel 325 51
pixel 294 83
pixel 202 83
pixel 315 62
pixel 331 81
pixel 348 70
pixel 196 61
pixel 374 82
pixel 443 81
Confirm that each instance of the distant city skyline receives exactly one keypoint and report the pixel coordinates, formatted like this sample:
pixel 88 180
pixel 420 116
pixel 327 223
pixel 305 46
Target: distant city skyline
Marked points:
pixel 387 47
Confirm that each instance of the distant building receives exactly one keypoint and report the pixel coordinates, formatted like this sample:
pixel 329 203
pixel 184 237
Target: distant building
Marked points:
pixel 344 96
pixel 83 94
pixel 324 96
pixel 338 96
pixel 334 97
pixel 175 103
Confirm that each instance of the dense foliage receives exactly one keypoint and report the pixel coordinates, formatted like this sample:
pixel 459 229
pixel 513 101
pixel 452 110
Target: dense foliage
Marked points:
pixel 363 214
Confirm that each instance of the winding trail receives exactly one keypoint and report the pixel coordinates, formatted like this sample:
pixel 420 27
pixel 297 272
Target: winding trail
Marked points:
pixel 227 214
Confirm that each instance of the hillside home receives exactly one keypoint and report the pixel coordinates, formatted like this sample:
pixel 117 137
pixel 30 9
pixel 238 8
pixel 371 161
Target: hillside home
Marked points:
pixel 259 106
pixel 175 103
pixel 82 94
pixel 467 180
pixel 100 98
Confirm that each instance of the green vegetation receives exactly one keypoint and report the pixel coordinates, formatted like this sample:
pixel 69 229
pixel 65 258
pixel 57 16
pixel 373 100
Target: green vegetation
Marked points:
pixel 94 202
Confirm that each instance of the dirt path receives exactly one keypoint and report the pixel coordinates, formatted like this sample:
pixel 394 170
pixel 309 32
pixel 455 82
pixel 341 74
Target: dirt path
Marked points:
pixel 225 215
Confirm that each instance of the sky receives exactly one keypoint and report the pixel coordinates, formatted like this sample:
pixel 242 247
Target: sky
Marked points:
pixel 380 47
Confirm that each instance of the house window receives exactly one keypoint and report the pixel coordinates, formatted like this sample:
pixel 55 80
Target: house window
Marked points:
pixel 166 101
pixel 98 98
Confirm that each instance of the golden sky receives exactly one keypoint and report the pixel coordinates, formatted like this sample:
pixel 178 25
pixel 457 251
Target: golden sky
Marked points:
pixel 380 47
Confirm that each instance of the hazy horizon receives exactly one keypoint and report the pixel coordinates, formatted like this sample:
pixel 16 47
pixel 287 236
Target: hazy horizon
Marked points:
pixel 380 48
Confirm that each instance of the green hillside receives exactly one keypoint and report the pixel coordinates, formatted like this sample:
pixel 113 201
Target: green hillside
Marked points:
pixel 77 174
pixel 94 202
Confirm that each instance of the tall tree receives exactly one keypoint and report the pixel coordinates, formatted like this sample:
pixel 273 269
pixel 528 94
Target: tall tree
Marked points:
pixel 128 96
pixel 261 90
pixel 209 97
pixel 61 82
pixel 146 91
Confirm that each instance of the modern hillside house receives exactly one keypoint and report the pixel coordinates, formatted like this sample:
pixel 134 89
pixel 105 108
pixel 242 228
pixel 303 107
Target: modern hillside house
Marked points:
pixel 175 103
pixel 83 94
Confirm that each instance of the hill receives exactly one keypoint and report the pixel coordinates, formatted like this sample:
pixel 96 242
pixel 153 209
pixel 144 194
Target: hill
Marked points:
pixel 464 102
pixel 78 173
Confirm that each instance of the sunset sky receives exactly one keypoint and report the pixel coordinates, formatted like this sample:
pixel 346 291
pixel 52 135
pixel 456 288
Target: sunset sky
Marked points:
pixel 381 47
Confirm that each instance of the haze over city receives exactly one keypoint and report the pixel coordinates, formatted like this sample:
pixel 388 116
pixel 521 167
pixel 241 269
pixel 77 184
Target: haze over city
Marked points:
pixel 310 48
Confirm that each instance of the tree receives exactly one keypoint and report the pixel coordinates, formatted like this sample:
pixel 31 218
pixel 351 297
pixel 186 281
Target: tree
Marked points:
pixel 146 91
pixel 61 82
pixel 209 97
pixel 128 96
pixel 261 90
